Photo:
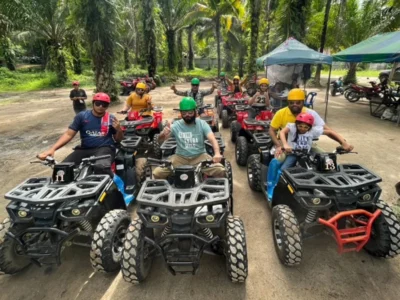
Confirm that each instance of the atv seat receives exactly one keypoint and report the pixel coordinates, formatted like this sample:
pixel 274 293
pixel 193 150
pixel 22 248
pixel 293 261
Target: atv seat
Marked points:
pixel 259 106
pixel 147 120
pixel 206 118
pixel 255 123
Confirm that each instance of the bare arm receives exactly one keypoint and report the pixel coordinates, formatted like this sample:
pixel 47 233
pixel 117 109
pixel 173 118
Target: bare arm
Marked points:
pixel 166 133
pixel 338 138
pixel 253 99
pixel 180 93
pixel 62 141
pixel 273 133
pixel 217 154
pixel 149 104
pixel 244 81
pixel 282 134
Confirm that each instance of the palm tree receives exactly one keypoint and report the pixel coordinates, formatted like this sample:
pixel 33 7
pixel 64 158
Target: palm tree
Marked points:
pixel 98 19
pixel 211 12
pixel 6 46
pixel 254 9
pixel 149 35
pixel 47 20
pixel 127 28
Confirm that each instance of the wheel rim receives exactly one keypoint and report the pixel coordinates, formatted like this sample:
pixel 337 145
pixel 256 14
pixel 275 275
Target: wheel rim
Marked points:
pixel 118 242
pixel 250 174
pixel 277 234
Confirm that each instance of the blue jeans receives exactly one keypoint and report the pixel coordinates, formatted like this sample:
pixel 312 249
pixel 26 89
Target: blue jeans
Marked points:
pixel 289 162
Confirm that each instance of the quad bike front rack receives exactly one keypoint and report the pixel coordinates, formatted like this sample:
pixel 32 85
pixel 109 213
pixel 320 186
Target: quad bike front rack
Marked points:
pixel 355 237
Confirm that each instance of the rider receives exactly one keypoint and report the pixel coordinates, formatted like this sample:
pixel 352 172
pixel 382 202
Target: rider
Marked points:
pixel 236 85
pixel 282 117
pixel 99 131
pixel 261 96
pixel 195 93
pixel 78 97
pixel 138 100
pixel 190 134
pixel 299 136
pixel 222 81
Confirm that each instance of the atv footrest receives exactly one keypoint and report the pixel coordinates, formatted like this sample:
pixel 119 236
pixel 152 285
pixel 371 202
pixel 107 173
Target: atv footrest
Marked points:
pixel 354 238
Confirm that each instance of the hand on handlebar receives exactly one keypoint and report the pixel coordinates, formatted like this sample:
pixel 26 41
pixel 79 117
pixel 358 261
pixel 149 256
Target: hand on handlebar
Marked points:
pixel 44 155
pixel 217 158
pixel 347 147
pixel 287 148
pixel 278 151
pixel 122 112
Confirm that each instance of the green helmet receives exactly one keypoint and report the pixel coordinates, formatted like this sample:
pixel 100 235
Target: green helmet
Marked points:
pixel 195 81
pixel 187 103
pixel 222 74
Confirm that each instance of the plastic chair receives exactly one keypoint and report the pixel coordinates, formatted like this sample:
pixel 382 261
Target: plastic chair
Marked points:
pixel 310 100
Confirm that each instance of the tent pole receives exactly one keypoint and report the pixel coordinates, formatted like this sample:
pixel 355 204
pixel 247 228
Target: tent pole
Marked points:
pixel 327 93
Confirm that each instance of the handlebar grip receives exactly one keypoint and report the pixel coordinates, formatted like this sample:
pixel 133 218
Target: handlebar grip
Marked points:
pixel 91 159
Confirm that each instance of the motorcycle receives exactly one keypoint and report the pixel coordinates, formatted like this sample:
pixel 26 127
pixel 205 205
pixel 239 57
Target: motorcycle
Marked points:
pixel 337 87
pixel 356 92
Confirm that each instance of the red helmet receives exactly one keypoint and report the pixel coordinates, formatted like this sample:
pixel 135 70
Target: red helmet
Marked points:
pixel 305 118
pixel 75 83
pixel 101 97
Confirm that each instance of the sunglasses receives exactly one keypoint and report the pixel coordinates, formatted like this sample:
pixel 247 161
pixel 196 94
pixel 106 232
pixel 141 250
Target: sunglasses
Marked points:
pixel 101 103
pixel 195 85
pixel 291 102
pixel 187 112
pixel 139 90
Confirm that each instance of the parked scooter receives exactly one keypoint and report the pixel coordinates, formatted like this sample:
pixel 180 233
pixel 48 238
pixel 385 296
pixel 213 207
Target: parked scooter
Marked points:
pixel 337 87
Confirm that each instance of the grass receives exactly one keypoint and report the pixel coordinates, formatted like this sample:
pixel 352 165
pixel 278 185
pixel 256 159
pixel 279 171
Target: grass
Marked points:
pixel 362 73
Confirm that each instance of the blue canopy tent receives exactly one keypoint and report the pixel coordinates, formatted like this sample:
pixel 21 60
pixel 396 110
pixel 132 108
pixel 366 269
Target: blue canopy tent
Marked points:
pixel 292 52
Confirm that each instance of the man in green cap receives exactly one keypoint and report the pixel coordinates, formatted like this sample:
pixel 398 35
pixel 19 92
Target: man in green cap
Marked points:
pixel 195 93
pixel 223 81
pixel 190 134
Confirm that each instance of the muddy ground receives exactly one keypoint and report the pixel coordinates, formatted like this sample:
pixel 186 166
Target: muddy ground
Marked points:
pixel 31 122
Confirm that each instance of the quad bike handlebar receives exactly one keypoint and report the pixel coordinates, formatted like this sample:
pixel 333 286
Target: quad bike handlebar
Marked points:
pixel 168 164
pixel 48 161
pixel 339 150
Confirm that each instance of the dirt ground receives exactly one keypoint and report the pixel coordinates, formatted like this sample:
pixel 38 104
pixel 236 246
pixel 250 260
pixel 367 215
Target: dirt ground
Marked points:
pixel 31 122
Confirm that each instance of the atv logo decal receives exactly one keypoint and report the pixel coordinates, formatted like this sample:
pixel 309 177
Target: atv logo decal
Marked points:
pixel 184 177
pixel 60 176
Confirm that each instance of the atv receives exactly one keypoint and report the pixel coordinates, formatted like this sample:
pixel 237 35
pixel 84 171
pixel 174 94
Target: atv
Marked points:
pixel 319 195
pixel 247 133
pixel 181 218
pixel 73 206
pixel 220 93
pixel 227 107
pixel 138 124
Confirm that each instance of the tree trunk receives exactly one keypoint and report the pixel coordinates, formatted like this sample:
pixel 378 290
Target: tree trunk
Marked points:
pixel 104 76
pixel 351 76
pixel 228 56
pixel 255 6
pixel 76 57
pixel 127 63
pixel 8 52
pixel 57 64
pixel 242 55
pixel 218 34
pixel 149 36
pixel 170 34
pixel 180 51
pixel 190 44
pixel 323 39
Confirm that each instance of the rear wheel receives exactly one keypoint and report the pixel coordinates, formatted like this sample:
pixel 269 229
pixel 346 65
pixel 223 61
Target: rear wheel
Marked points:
pixel 236 250
pixel 136 257
pixel 12 259
pixel 254 172
pixel 107 243
pixel 241 151
pixel 352 96
pixel 385 235
pixel 235 128
pixel 225 119
pixel 287 235
pixel 157 147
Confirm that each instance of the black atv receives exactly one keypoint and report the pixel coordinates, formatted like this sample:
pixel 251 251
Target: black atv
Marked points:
pixel 181 218
pixel 319 194
pixel 73 206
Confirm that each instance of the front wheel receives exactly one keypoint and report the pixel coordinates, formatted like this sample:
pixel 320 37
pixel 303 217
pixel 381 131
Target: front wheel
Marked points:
pixel 12 259
pixel 241 151
pixel 136 257
pixel 225 119
pixel 287 236
pixel 235 128
pixel 254 172
pixel 236 250
pixel 106 248
pixel 385 235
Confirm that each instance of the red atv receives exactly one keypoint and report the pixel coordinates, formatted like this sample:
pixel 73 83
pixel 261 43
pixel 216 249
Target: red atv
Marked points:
pixel 221 92
pixel 146 126
pixel 128 86
pixel 247 133
pixel 227 107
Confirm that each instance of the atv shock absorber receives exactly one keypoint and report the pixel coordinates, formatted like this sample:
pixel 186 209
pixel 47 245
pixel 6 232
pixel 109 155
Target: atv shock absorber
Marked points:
pixel 311 216
pixel 208 233
pixel 166 231
pixel 86 226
